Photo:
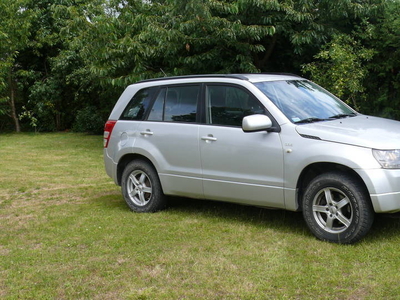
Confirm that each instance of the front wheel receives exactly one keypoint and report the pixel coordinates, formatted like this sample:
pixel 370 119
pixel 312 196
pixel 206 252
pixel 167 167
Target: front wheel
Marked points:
pixel 141 187
pixel 337 208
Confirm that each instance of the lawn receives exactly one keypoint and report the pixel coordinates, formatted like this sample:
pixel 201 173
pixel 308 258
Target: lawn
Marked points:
pixel 66 233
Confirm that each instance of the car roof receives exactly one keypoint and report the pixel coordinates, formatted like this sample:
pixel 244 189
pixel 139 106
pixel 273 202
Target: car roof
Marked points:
pixel 251 77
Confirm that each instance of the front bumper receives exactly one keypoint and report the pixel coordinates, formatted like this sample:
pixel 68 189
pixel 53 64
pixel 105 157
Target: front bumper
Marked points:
pixel 386 203
pixel 384 189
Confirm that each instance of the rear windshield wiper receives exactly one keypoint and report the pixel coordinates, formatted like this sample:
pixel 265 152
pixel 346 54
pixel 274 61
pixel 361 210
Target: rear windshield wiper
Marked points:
pixel 310 120
pixel 341 116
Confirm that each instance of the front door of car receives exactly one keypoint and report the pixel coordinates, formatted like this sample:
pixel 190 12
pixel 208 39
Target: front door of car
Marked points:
pixel 169 136
pixel 237 166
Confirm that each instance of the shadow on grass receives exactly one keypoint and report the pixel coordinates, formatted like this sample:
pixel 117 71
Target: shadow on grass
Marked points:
pixel 285 221
pixel 113 201
pixel 385 227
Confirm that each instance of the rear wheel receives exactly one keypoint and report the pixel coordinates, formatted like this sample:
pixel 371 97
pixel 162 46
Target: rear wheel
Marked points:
pixel 141 187
pixel 337 208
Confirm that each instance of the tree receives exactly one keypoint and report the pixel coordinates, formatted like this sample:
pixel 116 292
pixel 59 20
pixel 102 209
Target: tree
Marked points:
pixel 136 40
pixel 49 98
pixel 209 37
pixel 117 43
pixel 383 80
pixel 124 41
pixel 14 33
pixel 65 58
pixel 340 67
pixel 362 66
pixel 302 27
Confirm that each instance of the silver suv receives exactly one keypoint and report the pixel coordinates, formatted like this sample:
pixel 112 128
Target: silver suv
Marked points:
pixel 270 140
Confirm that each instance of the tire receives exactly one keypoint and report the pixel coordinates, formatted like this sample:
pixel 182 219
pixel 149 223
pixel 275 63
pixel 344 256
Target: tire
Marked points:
pixel 141 187
pixel 337 208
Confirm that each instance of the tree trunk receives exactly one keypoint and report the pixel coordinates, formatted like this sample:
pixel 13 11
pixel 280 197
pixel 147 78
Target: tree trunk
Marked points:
pixel 14 115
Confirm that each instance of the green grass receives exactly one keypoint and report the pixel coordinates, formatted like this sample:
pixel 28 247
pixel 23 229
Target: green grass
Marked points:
pixel 66 233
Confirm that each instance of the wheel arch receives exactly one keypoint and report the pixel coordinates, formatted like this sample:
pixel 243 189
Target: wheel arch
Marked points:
pixel 126 159
pixel 315 169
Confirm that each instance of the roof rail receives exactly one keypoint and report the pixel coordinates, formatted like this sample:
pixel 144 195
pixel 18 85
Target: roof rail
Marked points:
pixel 280 73
pixel 237 76
pixel 243 76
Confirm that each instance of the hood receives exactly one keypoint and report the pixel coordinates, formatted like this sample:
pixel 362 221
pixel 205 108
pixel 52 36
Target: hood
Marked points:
pixel 361 130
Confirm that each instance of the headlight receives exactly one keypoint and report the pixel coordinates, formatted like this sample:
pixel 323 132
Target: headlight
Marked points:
pixel 389 159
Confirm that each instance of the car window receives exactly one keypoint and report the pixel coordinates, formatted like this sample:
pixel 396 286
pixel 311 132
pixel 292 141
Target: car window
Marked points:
pixel 176 104
pixel 157 111
pixel 303 100
pixel 228 105
pixel 136 108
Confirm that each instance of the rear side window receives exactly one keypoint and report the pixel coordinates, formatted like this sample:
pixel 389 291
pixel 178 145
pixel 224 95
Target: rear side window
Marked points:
pixel 136 108
pixel 228 105
pixel 176 104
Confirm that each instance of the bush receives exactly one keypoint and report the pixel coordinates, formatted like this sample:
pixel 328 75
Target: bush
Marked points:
pixel 88 120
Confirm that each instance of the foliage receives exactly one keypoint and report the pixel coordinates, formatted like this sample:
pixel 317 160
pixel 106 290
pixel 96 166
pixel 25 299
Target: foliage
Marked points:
pixel 88 120
pixel 302 27
pixel 68 55
pixel 340 67
pixel 383 82
pixel 363 66
pixel 14 36
pixel 209 37
pixel 29 115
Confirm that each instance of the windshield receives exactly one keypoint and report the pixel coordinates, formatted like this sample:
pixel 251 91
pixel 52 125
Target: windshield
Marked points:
pixel 303 101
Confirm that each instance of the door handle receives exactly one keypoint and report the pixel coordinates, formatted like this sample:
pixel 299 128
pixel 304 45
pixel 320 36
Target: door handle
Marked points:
pixel 147 132
pixel 209 138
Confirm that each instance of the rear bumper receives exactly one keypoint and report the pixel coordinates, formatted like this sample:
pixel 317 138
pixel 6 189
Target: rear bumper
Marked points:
pixel 110 166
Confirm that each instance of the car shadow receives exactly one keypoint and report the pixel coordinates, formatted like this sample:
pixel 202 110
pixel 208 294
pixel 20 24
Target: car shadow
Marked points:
pixel 385 227
pixel 256 216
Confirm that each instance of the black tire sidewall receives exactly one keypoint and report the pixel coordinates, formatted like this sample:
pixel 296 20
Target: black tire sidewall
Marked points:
pixel 157 200
pixel 361 208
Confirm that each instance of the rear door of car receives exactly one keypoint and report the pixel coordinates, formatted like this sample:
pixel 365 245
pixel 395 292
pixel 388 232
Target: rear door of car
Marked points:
pixel 169 137
pixel 237 166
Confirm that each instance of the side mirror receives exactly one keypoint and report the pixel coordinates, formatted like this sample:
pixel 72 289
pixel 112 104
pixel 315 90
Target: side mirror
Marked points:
pixel 256 123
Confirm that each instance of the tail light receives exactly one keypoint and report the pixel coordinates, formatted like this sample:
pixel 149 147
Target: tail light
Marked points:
pixel 108 128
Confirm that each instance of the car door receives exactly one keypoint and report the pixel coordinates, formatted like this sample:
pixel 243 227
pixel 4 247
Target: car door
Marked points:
pixel 169 136
pixel 237 166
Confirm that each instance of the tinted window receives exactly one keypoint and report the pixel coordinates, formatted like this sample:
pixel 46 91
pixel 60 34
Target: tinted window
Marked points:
pixel 228 105
pixel 176 104
pixel 137 107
